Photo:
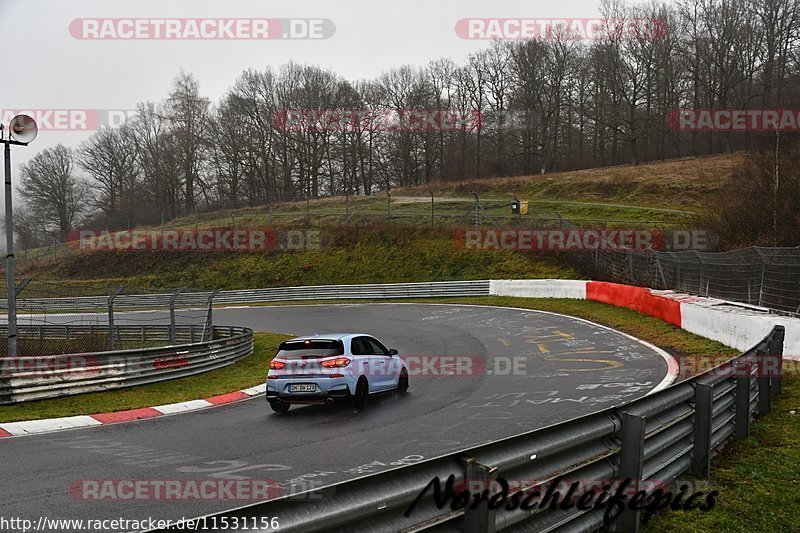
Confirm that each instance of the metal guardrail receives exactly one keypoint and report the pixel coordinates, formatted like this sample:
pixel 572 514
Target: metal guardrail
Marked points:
pixel 436 289
pixel 35 377
pixel 655 438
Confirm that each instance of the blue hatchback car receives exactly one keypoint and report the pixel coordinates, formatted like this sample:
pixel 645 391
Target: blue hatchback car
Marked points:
pixel 322 368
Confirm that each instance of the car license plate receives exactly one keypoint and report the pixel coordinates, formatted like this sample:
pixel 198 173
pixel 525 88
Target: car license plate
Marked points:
pixel 302 388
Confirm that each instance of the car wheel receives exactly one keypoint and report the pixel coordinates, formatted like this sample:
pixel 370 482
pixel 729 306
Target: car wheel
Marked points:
pixel 402 383
pixel 362 392
pixel 279 407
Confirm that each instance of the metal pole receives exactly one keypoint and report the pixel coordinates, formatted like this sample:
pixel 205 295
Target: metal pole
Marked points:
pixel 209 326
pixel 172 316
pixel 389 204
pixel 111 340
pixel 11 291
pixel 431 193
pixel 347 207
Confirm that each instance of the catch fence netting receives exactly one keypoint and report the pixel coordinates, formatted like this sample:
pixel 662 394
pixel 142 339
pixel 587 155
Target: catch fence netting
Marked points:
pixel 62 317
pixel 766 277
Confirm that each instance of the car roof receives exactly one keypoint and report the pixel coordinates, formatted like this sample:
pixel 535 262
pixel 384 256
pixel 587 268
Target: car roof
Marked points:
pixel 329 336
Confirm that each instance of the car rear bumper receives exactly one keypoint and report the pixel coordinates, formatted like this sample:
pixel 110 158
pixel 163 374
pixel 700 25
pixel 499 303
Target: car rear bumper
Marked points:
pixel 327 390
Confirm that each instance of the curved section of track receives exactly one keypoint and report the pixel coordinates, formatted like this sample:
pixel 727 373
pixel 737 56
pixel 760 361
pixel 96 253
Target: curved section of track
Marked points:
pixel 532 369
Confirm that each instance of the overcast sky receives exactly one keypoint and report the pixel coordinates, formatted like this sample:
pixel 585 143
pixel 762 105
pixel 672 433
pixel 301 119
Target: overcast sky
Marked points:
pixel 45 67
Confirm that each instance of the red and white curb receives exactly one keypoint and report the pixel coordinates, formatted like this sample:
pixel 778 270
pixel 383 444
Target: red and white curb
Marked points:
pixel 47 425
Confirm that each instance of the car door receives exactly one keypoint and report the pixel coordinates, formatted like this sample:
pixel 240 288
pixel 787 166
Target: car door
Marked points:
pixel 383 364
pixel 360 349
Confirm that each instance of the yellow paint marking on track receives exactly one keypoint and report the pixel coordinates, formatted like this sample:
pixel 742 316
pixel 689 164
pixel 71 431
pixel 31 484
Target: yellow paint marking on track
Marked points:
pixel 608 362
pixel 556 336
pixel 506 342
pixel 543 348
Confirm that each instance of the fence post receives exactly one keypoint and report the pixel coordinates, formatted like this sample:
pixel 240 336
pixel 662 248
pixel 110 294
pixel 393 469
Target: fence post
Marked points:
pixel 701 452
pixel 742 371
pixel 191 333
pixel 111 330
pixel 763 379
pixel 389 205
pixel 763 272
pixel 432 206
pixel 347 207
pixel 479 519
pixel 631 465
pixel 172 316
pixel 208 325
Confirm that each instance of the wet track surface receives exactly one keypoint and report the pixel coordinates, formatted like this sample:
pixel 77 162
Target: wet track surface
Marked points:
pixel 564 368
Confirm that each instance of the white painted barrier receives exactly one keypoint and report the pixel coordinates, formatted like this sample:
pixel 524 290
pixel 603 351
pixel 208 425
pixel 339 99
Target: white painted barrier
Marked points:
pixel 539 288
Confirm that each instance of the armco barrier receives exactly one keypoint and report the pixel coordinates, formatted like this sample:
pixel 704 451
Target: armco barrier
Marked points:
pixel 432 289
pixel 31 378
pixel 653 440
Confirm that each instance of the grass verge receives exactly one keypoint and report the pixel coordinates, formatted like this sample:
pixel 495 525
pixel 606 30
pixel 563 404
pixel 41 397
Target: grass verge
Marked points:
pixel 758 478
pixel 245 373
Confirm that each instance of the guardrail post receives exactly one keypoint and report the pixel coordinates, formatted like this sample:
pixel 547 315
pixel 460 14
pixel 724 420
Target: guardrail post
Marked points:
pixel 172 316
pixel 742 370
pixel 775 348
pixel 191 333
pixel 762 377
pixel 701 452
pixel 631 465
pixel 208 325
pixel 111 330
pixel 481 518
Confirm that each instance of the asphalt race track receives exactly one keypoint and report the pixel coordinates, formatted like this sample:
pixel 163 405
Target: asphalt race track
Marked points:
pixel 565 367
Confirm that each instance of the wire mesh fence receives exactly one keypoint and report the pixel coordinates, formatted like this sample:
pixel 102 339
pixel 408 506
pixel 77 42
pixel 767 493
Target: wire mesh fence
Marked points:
pixel 766 277
pixel 60 317
pixel 438 211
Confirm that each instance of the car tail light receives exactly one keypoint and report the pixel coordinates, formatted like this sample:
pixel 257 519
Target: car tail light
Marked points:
pixel 276 364
pixel 339 362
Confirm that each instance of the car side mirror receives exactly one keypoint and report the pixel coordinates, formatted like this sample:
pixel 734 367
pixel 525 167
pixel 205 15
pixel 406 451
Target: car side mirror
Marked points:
pixel 392 351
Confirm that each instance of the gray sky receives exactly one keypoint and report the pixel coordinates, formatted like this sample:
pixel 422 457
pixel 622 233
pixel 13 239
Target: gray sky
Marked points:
pixel 54 70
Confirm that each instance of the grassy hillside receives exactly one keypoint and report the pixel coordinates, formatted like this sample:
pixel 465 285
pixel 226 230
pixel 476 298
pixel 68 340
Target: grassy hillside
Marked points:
pixel 391 239
pixel 356 255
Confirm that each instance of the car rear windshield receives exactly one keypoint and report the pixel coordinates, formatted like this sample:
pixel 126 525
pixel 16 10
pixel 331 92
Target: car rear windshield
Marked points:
pixel 310 349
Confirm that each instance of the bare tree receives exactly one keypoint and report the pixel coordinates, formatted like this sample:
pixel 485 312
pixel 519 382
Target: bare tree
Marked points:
pixel 50 188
